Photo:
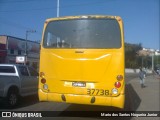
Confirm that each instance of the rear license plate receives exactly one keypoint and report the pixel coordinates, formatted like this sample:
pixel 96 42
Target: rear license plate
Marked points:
pixel 79 84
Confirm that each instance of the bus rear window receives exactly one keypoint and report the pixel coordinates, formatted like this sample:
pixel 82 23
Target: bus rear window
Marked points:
pixel 7 69
pixel 83 33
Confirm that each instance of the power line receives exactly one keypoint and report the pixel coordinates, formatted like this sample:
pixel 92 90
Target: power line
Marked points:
pixel 27 10
pixel 20 1
pixel 9 23
pixel 65 6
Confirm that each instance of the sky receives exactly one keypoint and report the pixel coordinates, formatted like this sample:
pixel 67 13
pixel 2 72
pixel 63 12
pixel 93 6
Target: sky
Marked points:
pixel 141 18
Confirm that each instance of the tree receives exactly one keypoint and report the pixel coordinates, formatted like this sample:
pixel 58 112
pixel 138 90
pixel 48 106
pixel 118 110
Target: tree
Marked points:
pixel 131 57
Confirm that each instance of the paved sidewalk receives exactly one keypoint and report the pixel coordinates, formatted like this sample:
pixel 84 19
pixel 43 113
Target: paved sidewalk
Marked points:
pixel 145 99
pixel 149 97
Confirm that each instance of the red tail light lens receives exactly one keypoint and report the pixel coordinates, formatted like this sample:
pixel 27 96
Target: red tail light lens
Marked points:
pixel 117 84
pixel 43 80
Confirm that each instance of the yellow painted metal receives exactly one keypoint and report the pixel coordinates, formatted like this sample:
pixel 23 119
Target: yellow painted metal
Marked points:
pixel 97 68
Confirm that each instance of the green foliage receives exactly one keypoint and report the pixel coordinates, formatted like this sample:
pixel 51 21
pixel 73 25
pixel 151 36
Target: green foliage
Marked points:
pixel 132 60
pixel 157 61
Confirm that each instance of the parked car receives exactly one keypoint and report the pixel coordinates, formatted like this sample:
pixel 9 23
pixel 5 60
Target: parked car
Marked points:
pixel 15 81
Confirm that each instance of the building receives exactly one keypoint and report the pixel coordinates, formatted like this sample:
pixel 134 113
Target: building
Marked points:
pixel 151 52
pixel 15 50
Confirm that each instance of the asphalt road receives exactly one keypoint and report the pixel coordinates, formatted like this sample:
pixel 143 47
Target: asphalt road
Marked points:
pixel 31 103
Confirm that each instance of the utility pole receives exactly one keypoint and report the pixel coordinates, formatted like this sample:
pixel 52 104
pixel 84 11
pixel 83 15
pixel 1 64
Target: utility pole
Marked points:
pixel 57 8
pixel 152 53
pixel 25 53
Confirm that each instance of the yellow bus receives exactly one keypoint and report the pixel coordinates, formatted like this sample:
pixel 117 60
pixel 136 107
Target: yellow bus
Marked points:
pixel 82 60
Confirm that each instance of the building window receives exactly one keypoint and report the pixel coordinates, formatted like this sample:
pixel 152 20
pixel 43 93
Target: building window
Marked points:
pixel 34 65
pixel 19 52
pixel 11 51
pixel 33 72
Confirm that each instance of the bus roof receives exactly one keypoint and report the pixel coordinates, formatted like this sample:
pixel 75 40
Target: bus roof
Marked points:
pixel 82 16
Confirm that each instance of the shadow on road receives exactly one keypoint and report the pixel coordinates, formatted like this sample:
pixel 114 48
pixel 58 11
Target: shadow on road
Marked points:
pixel 132 102
pixel 23 102
pixel 132 99
pixel 27 101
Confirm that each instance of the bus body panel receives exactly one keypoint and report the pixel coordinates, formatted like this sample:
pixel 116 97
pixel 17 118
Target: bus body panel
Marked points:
pixel 94 67
pixel 83 76
pixel 84 99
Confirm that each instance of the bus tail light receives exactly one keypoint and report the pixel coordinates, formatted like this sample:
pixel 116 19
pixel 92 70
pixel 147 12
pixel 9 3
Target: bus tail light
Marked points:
pixel 114 91
pixel 43 80
pixel 117 84
pixel 42 74
pixel 45 86
pixel 119 77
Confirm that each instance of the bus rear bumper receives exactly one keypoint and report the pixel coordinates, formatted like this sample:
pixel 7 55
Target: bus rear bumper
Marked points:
pixel 83 99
